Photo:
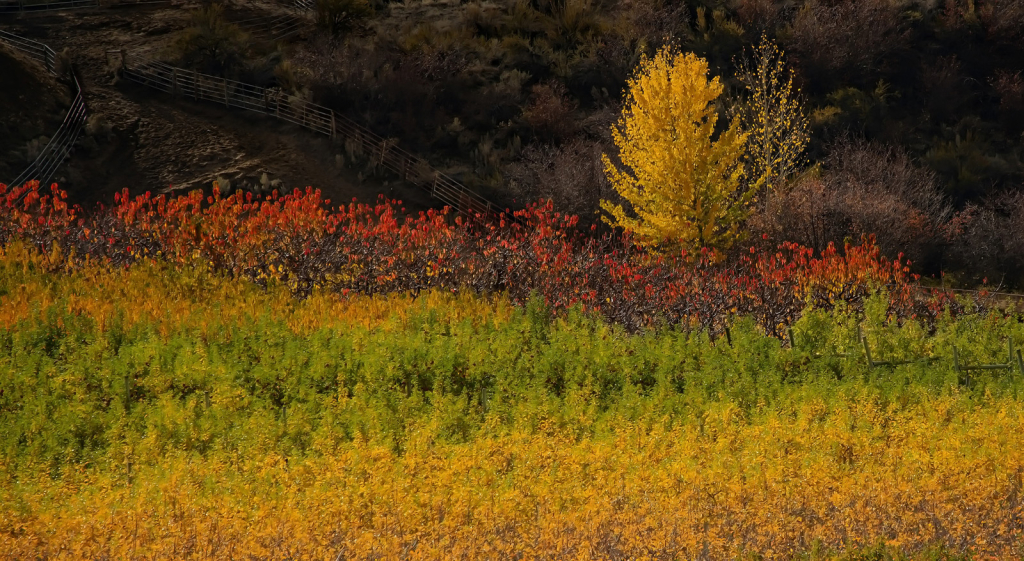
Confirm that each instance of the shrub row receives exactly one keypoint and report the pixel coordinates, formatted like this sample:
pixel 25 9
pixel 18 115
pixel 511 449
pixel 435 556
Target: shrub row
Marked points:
pixel 298 240
pixel 162 411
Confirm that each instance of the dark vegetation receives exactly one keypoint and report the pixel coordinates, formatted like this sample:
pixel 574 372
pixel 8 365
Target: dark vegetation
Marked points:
pixel 916 106
pixel 24 133
pixel 214 45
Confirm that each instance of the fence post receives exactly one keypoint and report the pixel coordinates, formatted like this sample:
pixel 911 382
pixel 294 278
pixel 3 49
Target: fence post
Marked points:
pixel 334 126
pixel 867 351
pixel 225 82
pixel 174 81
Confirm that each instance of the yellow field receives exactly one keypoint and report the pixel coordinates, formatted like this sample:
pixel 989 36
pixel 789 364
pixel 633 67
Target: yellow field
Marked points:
pixel 829 467
pixel 713 488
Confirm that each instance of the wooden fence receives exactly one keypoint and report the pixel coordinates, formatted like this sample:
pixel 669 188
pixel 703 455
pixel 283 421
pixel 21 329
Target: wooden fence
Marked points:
pixel 62 142
pixel 381 152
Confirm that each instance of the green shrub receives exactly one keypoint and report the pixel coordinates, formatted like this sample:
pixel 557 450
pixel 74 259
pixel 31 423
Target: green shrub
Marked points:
pixel 73 390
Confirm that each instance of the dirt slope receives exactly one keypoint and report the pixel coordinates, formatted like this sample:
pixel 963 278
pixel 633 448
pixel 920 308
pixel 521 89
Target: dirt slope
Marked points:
pixel 32 105
pixel 143 140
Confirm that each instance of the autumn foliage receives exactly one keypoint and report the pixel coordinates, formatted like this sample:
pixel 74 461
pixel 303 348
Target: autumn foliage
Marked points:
pixel 230 377
pixel 772 116
pixel 298 240
pixel 684 183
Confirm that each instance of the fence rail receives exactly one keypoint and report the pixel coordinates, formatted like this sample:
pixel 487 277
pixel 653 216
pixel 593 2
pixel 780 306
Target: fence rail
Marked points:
pixel 381 152
pixel 1014 356
pixel 36 6
pixel 275 27
pixel 63 141
pixel 60 145
pixel 27 6
pixel 34 49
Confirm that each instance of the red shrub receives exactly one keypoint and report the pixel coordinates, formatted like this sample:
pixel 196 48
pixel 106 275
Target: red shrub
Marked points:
pixel 296 239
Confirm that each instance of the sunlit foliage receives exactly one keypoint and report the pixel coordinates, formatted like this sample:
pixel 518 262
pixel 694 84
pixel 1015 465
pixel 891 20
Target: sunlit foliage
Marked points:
pixel 682 185
pixel 169 391
pixel 372 249
pixel 191 416
pixel 771 115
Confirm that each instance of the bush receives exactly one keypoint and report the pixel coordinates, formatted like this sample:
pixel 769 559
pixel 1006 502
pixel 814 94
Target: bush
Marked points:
pixel 1010 89
pixel 864 189
pixel 655 22
pixel 550 112
pixel 337 16
pixel 760 16
pixel 172 413
pixel 569 175
pixel 573 22
pixel 296 240
pixel 1003 20
pixel 987 241
pixel 844 41
pixel 212 45
pixel 146 384
pixel 946 87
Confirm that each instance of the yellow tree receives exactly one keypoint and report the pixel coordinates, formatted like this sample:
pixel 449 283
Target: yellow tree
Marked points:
pixel 683 186
pixel 773 116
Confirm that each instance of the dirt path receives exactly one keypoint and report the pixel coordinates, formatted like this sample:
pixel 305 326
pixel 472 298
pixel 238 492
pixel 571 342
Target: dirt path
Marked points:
pixel 144 140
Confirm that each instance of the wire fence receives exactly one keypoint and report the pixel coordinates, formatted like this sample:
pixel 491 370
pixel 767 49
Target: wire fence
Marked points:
pixel 1014 356
pixel 28 6
pixel 382 153
pixel 993 294
pixel 61 144
pixel 135 3
pixel 34 49
pixel 274 27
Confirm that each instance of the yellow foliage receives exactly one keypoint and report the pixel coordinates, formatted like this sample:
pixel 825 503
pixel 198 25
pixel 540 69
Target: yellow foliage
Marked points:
pixel 843 476
pixel 772 116
pixel 168 297
pixel 857 470
pixel 684 187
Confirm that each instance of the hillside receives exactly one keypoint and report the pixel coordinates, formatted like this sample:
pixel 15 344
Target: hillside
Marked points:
pixel 713 279
pixel 914 108
pixel 145 142
pixel 34 105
